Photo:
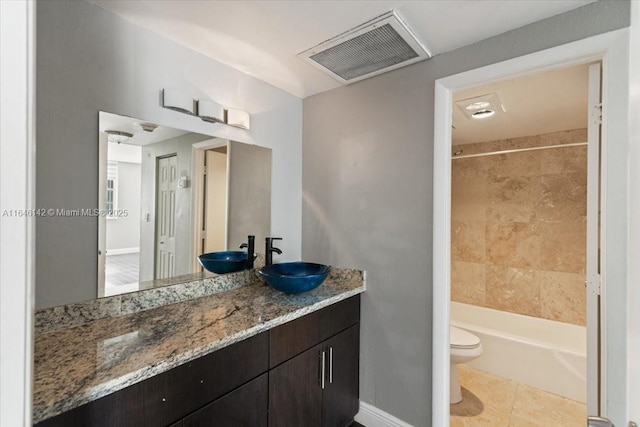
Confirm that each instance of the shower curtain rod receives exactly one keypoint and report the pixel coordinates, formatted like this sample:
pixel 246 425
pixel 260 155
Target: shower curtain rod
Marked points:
pixel 517 150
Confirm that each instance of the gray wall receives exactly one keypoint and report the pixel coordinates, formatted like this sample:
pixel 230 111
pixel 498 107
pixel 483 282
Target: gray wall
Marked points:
pixel 367 198
pixel 90 60
pixel 123 232
pixel 249 195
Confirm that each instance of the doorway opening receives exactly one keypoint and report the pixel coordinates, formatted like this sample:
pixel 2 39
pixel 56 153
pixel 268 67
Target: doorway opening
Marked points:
pixel 518 249
pixel 610 48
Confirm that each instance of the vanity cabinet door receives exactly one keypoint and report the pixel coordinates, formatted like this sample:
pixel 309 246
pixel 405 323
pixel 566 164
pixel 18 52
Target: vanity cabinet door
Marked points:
pixel 340 396
pixel 295 396
pixel 244 407
pixel 296 393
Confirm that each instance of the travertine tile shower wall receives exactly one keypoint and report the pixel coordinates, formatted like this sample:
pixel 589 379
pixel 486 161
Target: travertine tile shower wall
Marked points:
pixel 518 238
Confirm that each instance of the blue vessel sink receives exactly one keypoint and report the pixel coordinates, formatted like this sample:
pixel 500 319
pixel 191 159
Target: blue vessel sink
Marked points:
pixel 294 277
pixel 224 262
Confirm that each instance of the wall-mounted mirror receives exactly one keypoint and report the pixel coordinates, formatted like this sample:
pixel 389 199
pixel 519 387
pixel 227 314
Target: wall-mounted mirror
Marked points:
pixel 169 195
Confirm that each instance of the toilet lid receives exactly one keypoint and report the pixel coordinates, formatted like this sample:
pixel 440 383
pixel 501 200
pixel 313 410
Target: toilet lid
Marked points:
pixel 460 338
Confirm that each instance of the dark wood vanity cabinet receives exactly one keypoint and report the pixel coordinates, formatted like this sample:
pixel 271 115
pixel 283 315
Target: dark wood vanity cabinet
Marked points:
pixel 167 398
pixel 317 383
pixel 271 379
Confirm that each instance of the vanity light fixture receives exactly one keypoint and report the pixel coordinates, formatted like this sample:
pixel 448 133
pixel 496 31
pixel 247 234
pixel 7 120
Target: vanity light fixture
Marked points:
pixel 118 136
pixel 210 111
pixel 176 100
pixel 238 118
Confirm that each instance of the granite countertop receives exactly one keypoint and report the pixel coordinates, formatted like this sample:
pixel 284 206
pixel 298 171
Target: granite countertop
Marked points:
pixel 78 364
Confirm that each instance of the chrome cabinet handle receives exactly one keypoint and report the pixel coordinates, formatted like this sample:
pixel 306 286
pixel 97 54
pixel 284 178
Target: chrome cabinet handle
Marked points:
pixel 330 365
pixel 322 369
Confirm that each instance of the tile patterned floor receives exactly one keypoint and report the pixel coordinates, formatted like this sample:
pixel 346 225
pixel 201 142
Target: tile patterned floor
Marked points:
pixel 121 273
pixel 488 400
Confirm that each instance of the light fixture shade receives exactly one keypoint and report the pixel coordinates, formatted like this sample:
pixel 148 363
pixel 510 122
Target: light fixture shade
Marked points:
pixel 118 136
pixel 174 99
pixel 238 118
pixel 210 111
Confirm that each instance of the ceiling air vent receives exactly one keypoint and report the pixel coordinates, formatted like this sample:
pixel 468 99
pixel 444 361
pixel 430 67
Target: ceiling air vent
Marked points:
pixel 375 47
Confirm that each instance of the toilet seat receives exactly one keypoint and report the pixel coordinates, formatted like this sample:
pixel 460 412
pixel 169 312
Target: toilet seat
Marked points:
pixel 462 339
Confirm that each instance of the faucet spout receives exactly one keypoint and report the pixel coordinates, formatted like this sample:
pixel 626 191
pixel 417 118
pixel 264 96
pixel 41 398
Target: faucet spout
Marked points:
pixel 251 251
pixel 269 250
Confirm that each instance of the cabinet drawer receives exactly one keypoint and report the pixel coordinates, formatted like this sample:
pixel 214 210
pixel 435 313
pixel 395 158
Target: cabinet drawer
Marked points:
pixel 296 336
pixel 180 391
pixel 245 406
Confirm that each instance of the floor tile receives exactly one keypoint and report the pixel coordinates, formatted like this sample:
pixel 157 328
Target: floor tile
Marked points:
pixel 488 400
pixel 492 391
pixel 121 270
pixel 533 407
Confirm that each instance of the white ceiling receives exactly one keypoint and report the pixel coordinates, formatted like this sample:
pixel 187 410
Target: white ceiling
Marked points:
pixel 535 104
pixel 262 38
pixel 109 121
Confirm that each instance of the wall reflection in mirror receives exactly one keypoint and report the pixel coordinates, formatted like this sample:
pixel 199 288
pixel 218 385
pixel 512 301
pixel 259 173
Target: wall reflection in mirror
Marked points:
pixel 170 195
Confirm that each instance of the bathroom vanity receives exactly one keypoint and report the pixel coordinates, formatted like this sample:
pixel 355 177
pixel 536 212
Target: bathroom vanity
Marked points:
pixel 243 356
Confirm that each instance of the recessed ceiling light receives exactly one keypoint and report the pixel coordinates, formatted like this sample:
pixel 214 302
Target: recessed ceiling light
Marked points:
pixel 483 114
pixel 480 105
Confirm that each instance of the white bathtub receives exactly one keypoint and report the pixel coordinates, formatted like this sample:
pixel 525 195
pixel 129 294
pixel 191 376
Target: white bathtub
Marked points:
pixel 541 353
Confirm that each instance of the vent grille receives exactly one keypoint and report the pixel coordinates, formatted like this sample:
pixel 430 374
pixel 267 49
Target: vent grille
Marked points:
pixel 380 45
pixel 367 53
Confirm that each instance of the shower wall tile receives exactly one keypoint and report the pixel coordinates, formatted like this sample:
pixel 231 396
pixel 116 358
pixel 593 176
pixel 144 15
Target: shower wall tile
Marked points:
pixel 564 188
pixel 467 241
pixel 525 163
pixel 513 289
pixel 518 220
pixel 469 183
pixel 513 244
pixel 514 189
pixel 559 138
pixel 564 160
pixel 561 212
pixel 510 212
pixel 564 247
pixel 563 297
pixel 468 282
pixel 461 211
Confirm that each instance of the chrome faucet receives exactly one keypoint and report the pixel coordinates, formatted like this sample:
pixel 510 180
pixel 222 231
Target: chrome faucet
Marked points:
pixel 251 250
pixel 269 249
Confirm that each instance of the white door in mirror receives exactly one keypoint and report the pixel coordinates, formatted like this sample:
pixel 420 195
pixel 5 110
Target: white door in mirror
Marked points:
pixel 166 212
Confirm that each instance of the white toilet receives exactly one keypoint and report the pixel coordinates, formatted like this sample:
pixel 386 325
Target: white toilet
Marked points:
pixel 464 348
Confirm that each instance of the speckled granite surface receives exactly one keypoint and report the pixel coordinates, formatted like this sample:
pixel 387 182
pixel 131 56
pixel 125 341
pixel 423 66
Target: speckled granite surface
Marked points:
pixel 183 288
pixel 77 364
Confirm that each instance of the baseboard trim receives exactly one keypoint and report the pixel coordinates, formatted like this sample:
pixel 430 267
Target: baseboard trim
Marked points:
pixel 122 251
pixel 370 416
